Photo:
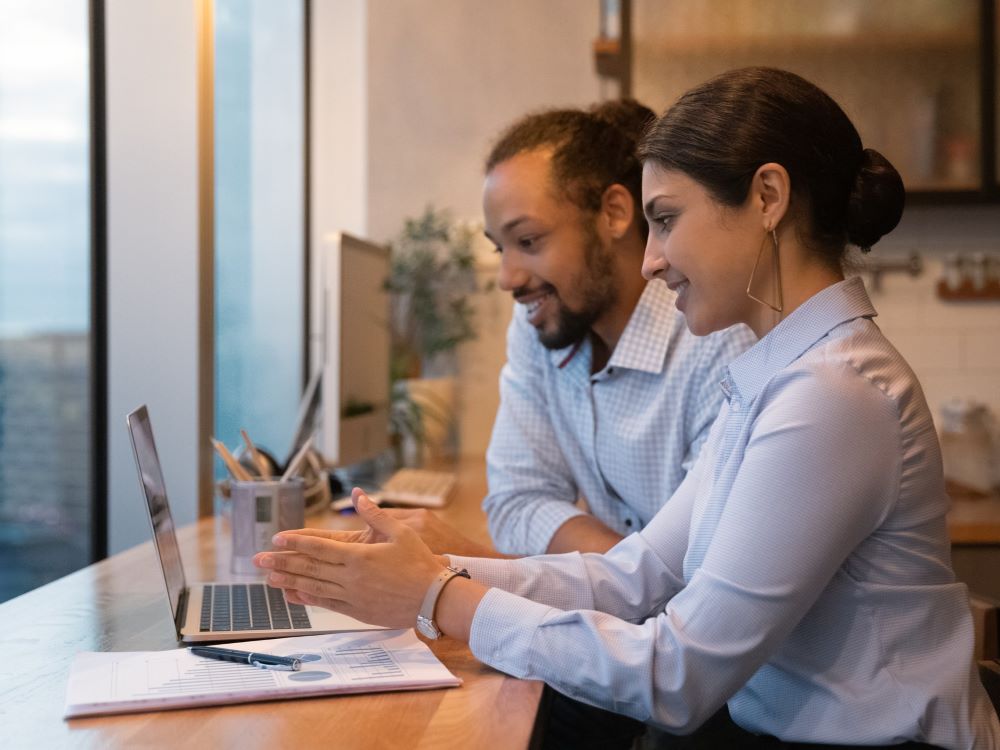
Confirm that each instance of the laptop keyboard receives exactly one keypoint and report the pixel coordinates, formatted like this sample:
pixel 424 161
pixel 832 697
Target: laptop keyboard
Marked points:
pixel 249 606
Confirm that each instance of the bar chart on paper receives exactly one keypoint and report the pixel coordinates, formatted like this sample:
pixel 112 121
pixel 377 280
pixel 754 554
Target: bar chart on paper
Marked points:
pixel 358 662
pixel 167 677
pixel 366 663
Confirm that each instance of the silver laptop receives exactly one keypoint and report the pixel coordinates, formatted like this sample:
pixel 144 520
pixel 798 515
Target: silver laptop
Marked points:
pixel 217 611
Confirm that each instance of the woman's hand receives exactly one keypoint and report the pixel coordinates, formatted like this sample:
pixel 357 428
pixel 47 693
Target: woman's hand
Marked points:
pixel 382 581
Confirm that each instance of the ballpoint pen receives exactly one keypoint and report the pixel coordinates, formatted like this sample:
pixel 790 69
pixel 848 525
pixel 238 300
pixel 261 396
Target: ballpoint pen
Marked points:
pixel 254 659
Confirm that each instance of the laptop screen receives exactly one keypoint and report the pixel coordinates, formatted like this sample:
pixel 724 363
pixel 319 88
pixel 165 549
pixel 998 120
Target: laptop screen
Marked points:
pixel 153 487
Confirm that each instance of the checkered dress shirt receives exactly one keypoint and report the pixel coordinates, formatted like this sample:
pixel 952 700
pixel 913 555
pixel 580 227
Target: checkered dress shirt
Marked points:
pixel 622 438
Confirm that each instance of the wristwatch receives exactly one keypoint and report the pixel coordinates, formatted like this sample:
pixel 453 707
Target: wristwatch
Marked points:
pixel 425 620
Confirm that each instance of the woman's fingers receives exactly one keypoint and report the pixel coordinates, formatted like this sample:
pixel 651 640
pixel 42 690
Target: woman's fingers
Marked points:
pixel 320 547
pixel 321 587
pixel 296 563
pixel 331 534
pixel 299 597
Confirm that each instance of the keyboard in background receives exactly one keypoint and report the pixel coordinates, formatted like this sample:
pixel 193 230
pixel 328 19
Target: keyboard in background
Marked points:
pixel 416 488
pixel 421 488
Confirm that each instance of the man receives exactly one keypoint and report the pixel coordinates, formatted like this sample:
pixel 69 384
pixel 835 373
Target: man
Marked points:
pixel 606 397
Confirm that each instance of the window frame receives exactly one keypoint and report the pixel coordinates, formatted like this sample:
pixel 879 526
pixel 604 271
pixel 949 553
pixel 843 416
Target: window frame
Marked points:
pixel 98 287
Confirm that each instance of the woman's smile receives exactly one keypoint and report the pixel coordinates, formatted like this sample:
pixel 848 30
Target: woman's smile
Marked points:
pixel 680 287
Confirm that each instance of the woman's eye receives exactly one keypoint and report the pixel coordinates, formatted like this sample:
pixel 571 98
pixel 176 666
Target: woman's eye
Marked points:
pixel 665 222
pixel 527 242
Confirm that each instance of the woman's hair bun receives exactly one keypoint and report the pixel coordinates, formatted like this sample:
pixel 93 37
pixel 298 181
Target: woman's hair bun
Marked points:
pixel 876 201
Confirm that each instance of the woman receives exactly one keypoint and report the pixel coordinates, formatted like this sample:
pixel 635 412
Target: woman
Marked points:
pixel 800 574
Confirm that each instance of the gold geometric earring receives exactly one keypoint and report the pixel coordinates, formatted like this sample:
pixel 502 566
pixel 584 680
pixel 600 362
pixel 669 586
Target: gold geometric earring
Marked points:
pixel 776 274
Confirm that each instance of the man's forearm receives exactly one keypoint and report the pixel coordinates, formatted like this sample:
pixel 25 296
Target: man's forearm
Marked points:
pixel 583 534
pixel 441 537
pixel 472 549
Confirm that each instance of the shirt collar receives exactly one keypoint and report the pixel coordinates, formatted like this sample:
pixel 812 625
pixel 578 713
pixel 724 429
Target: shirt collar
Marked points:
pixel 792 337
pixel 643 343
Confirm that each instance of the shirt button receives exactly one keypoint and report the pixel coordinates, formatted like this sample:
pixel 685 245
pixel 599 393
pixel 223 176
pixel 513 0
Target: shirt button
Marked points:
pixel 628 522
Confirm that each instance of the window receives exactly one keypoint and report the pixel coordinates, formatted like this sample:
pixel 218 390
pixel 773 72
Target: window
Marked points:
pixel 47 416
pixel 259 220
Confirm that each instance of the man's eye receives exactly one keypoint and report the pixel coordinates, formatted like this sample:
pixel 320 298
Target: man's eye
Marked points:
pixel 527 242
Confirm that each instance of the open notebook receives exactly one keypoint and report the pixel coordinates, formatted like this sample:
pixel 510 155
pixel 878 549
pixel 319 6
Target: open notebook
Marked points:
pixel 361 662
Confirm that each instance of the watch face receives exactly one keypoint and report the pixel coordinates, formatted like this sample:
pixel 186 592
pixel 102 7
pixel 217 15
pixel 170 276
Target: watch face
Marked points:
pixel 427 628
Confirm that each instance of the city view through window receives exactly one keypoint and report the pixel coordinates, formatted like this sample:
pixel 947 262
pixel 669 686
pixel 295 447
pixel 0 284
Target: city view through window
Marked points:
pixel 45 327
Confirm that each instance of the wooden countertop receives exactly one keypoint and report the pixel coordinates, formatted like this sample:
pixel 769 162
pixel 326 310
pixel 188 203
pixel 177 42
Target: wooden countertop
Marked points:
pixel 974 520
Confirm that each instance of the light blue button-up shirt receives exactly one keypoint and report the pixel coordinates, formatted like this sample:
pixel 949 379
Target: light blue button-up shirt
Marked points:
pixel 800 573
pixel 623 438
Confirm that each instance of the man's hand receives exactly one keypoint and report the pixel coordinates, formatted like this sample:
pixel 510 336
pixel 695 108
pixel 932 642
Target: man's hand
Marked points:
pixel 436 534
pixel 439 536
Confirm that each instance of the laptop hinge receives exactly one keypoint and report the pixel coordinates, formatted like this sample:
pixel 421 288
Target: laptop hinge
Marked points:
pixel 182 612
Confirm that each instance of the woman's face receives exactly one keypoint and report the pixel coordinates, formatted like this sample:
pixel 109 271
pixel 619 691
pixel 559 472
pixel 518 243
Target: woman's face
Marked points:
pixel 702 250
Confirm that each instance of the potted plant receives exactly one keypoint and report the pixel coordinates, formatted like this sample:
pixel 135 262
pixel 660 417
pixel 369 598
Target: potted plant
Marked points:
pixel 432 278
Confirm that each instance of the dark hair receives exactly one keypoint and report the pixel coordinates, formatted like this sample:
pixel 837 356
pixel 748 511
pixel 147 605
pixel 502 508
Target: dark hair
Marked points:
pixel 591 150
pixel 720 132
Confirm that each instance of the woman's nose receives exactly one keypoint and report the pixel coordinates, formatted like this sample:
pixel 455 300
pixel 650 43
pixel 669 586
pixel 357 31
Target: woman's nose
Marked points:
pixel 653 261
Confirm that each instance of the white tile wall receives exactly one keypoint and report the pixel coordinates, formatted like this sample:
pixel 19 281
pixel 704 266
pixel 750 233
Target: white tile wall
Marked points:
pixel 954 347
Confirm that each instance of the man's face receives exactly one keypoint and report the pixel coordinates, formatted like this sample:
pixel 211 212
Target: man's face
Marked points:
pixel 553 260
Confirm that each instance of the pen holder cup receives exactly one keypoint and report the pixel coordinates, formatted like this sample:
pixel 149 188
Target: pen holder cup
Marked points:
pixel 259 511
pixel 317 492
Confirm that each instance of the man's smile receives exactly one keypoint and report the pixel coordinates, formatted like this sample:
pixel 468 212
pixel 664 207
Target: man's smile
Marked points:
pixel 534 302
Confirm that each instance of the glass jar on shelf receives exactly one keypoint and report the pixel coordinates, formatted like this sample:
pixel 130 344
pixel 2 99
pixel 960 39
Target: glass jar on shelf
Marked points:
pixel 969 448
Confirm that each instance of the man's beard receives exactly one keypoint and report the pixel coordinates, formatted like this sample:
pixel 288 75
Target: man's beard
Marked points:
pixel 597 289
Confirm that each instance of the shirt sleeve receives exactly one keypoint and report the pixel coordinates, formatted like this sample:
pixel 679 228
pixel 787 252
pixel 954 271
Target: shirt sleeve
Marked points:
pixel 819 474
pixel 531 488
pixel 617 582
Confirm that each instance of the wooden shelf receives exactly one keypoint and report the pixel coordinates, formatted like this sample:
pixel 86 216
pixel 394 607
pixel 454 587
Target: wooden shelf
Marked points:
pixel 607 47
pixel 966 292
pixel 918 43
pixel 941 185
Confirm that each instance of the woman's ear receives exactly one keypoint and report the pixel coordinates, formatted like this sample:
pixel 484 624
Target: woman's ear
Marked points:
pixel 770 192
pixel 617 210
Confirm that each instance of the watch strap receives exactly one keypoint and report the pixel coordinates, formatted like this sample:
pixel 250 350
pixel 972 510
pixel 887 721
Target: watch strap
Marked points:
pixel 433 594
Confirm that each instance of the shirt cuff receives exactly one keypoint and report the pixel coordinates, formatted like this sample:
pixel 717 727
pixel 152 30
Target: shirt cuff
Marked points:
pixel 503 629
pixel 493 572
pixel 547 521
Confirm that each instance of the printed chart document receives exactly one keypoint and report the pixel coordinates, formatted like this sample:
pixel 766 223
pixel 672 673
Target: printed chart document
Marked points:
pixel 359 662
